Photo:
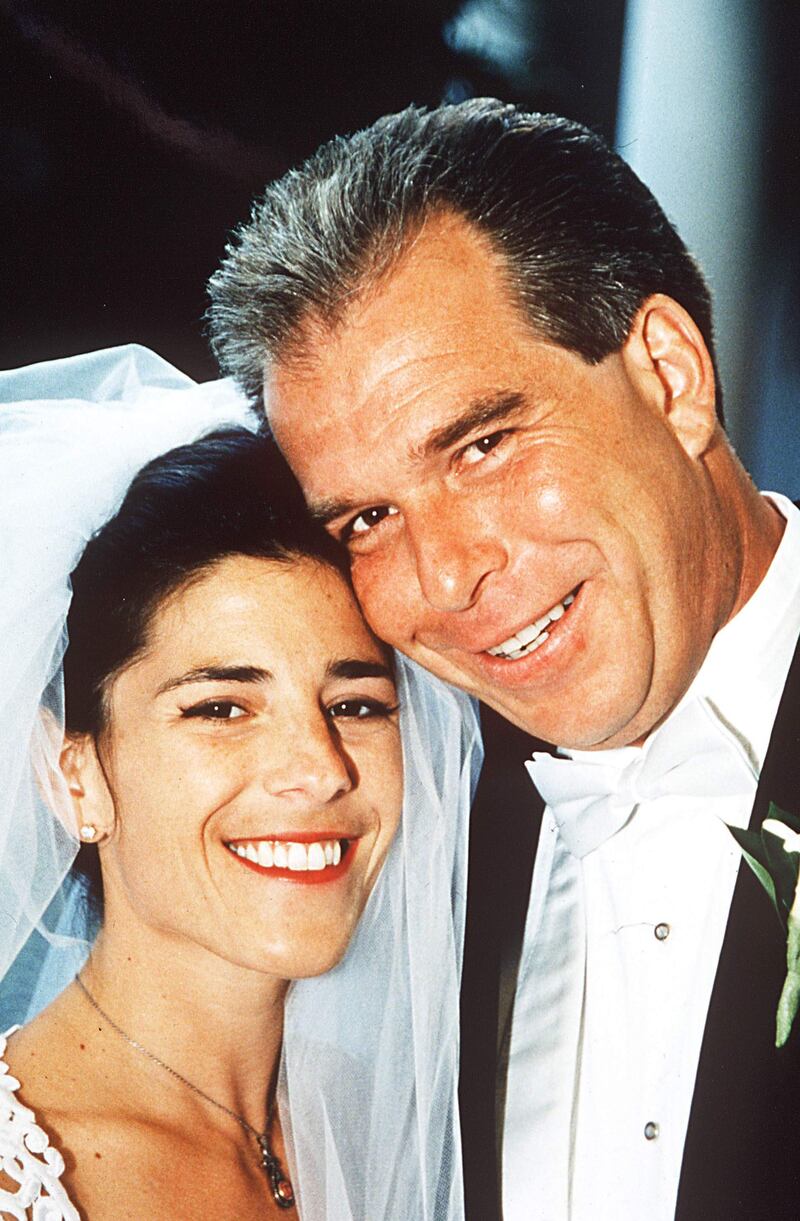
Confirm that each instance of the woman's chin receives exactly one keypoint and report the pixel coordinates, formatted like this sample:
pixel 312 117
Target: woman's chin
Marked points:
pixel 304 959
pixel 306 964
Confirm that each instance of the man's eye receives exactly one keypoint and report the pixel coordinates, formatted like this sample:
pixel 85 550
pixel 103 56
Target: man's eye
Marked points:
pixel 369 519
pixel 484 445
pixel 361 709
pixel 216 710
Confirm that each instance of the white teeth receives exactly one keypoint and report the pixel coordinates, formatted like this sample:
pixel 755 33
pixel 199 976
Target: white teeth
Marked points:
pixel 526 634
pixel 284 854
pixel 529 638
pixel 531 648
pixel 316 856
pixel 298 857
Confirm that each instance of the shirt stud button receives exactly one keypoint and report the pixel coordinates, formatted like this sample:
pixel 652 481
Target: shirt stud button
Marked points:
pixel 661 931
pixel 651 1131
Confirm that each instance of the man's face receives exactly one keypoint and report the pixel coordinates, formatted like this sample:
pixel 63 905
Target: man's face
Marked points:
pixel 498 493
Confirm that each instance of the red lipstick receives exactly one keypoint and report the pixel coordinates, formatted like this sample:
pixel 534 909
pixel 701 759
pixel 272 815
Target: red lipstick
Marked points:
pixel 304 877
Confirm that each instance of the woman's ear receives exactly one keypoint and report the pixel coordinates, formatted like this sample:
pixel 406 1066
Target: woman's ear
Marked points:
pixel 666 355
pixel 86 782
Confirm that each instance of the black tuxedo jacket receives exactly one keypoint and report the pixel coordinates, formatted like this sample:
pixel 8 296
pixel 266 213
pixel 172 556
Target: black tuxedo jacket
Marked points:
pixel 742 1154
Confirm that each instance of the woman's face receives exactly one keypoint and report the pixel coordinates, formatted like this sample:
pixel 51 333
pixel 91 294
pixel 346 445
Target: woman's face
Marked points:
pixel 253 759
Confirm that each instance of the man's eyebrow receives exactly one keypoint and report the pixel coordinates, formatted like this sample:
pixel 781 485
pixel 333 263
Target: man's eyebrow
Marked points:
pixel 496 408
pixel 214 674
pixel 352 667
pixel 324 511
pixel 500 407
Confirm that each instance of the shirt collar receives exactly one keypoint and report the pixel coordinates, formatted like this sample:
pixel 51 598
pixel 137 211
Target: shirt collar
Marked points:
pixel 743 674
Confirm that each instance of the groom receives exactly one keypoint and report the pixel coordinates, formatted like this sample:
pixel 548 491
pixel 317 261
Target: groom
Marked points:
pixel 489 359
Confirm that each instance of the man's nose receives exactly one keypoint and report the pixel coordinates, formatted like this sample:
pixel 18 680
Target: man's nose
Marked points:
pixel 455 553
pixel 308 763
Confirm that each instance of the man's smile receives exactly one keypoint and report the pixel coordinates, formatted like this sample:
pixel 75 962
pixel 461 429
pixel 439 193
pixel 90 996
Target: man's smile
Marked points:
pixel 453 637
pixel 527 639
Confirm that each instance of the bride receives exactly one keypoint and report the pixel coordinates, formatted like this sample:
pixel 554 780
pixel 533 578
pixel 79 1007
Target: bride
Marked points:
pixel 226 746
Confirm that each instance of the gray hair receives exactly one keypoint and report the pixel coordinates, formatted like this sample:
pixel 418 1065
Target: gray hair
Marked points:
pixel 582 239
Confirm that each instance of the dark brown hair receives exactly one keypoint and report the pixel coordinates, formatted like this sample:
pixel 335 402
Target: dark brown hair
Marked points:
pixel 230 493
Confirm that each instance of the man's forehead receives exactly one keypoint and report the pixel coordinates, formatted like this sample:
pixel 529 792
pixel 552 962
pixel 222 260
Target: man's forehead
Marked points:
pixel 415 307
pixel 406 372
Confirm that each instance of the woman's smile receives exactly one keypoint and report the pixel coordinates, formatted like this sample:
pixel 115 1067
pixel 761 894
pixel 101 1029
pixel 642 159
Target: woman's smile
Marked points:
pixel 297 857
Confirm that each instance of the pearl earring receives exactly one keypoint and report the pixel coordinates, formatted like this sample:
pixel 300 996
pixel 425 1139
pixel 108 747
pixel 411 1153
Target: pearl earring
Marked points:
pixel 88 832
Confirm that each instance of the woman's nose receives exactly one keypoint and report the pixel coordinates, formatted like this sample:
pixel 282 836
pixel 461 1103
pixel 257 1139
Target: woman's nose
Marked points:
pixel 312 764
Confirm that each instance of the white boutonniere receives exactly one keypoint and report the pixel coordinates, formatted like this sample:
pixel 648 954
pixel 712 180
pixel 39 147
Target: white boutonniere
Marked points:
pixel 773 853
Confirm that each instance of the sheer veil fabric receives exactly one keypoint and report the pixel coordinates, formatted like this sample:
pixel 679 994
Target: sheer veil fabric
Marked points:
pixel 73 433
pixel 377 1037
pixel 368 1080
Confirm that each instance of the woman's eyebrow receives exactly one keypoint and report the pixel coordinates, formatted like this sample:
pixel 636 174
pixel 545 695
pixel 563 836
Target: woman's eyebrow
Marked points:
pixel 352 667
pixel 214 674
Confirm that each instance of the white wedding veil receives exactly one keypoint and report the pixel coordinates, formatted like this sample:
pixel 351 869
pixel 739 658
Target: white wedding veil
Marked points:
pixel 369 1073
pixel 73 433
pixel 376 1039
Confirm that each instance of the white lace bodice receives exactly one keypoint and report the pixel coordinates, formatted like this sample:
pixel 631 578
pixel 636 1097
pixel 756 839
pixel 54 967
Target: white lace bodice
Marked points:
pixel 28 1159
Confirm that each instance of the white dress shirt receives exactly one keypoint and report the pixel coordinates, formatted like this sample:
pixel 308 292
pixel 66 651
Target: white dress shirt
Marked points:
pixel 621 950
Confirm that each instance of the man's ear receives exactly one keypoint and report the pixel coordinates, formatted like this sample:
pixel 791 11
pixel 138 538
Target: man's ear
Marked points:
pixel 666 356
pixel 86 781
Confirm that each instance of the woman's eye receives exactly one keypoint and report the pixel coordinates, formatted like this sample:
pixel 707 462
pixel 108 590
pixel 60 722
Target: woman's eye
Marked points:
pixel 361 709
pixel 369 519
pixel 216 710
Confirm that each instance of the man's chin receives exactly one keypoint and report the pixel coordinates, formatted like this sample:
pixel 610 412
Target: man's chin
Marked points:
pixel 589 716
pixel 574 724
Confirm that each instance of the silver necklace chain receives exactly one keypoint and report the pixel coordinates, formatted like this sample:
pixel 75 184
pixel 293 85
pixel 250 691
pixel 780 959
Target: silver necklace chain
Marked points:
pixel 281 1187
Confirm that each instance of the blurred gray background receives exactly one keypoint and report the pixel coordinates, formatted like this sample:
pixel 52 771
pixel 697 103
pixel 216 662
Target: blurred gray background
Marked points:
pixel 134 136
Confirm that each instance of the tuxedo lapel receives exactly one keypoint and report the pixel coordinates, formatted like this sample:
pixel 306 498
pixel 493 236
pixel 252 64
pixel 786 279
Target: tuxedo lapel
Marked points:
pixel 504 830
pixel 740 1159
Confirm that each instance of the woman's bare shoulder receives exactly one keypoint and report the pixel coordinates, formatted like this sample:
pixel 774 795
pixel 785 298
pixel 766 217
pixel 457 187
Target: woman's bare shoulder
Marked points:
pixel 33 1166
pixel 45 1055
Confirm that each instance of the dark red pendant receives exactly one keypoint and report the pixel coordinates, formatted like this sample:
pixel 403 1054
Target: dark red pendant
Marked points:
pixel 282 1190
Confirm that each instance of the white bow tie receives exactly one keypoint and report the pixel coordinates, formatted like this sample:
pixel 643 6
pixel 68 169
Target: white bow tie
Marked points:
pixel 692 755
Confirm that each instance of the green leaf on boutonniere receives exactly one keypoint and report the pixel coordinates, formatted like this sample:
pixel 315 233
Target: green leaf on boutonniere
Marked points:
pixel 773 853
pixel 773 861
pixel 790 820
pixel 755 853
